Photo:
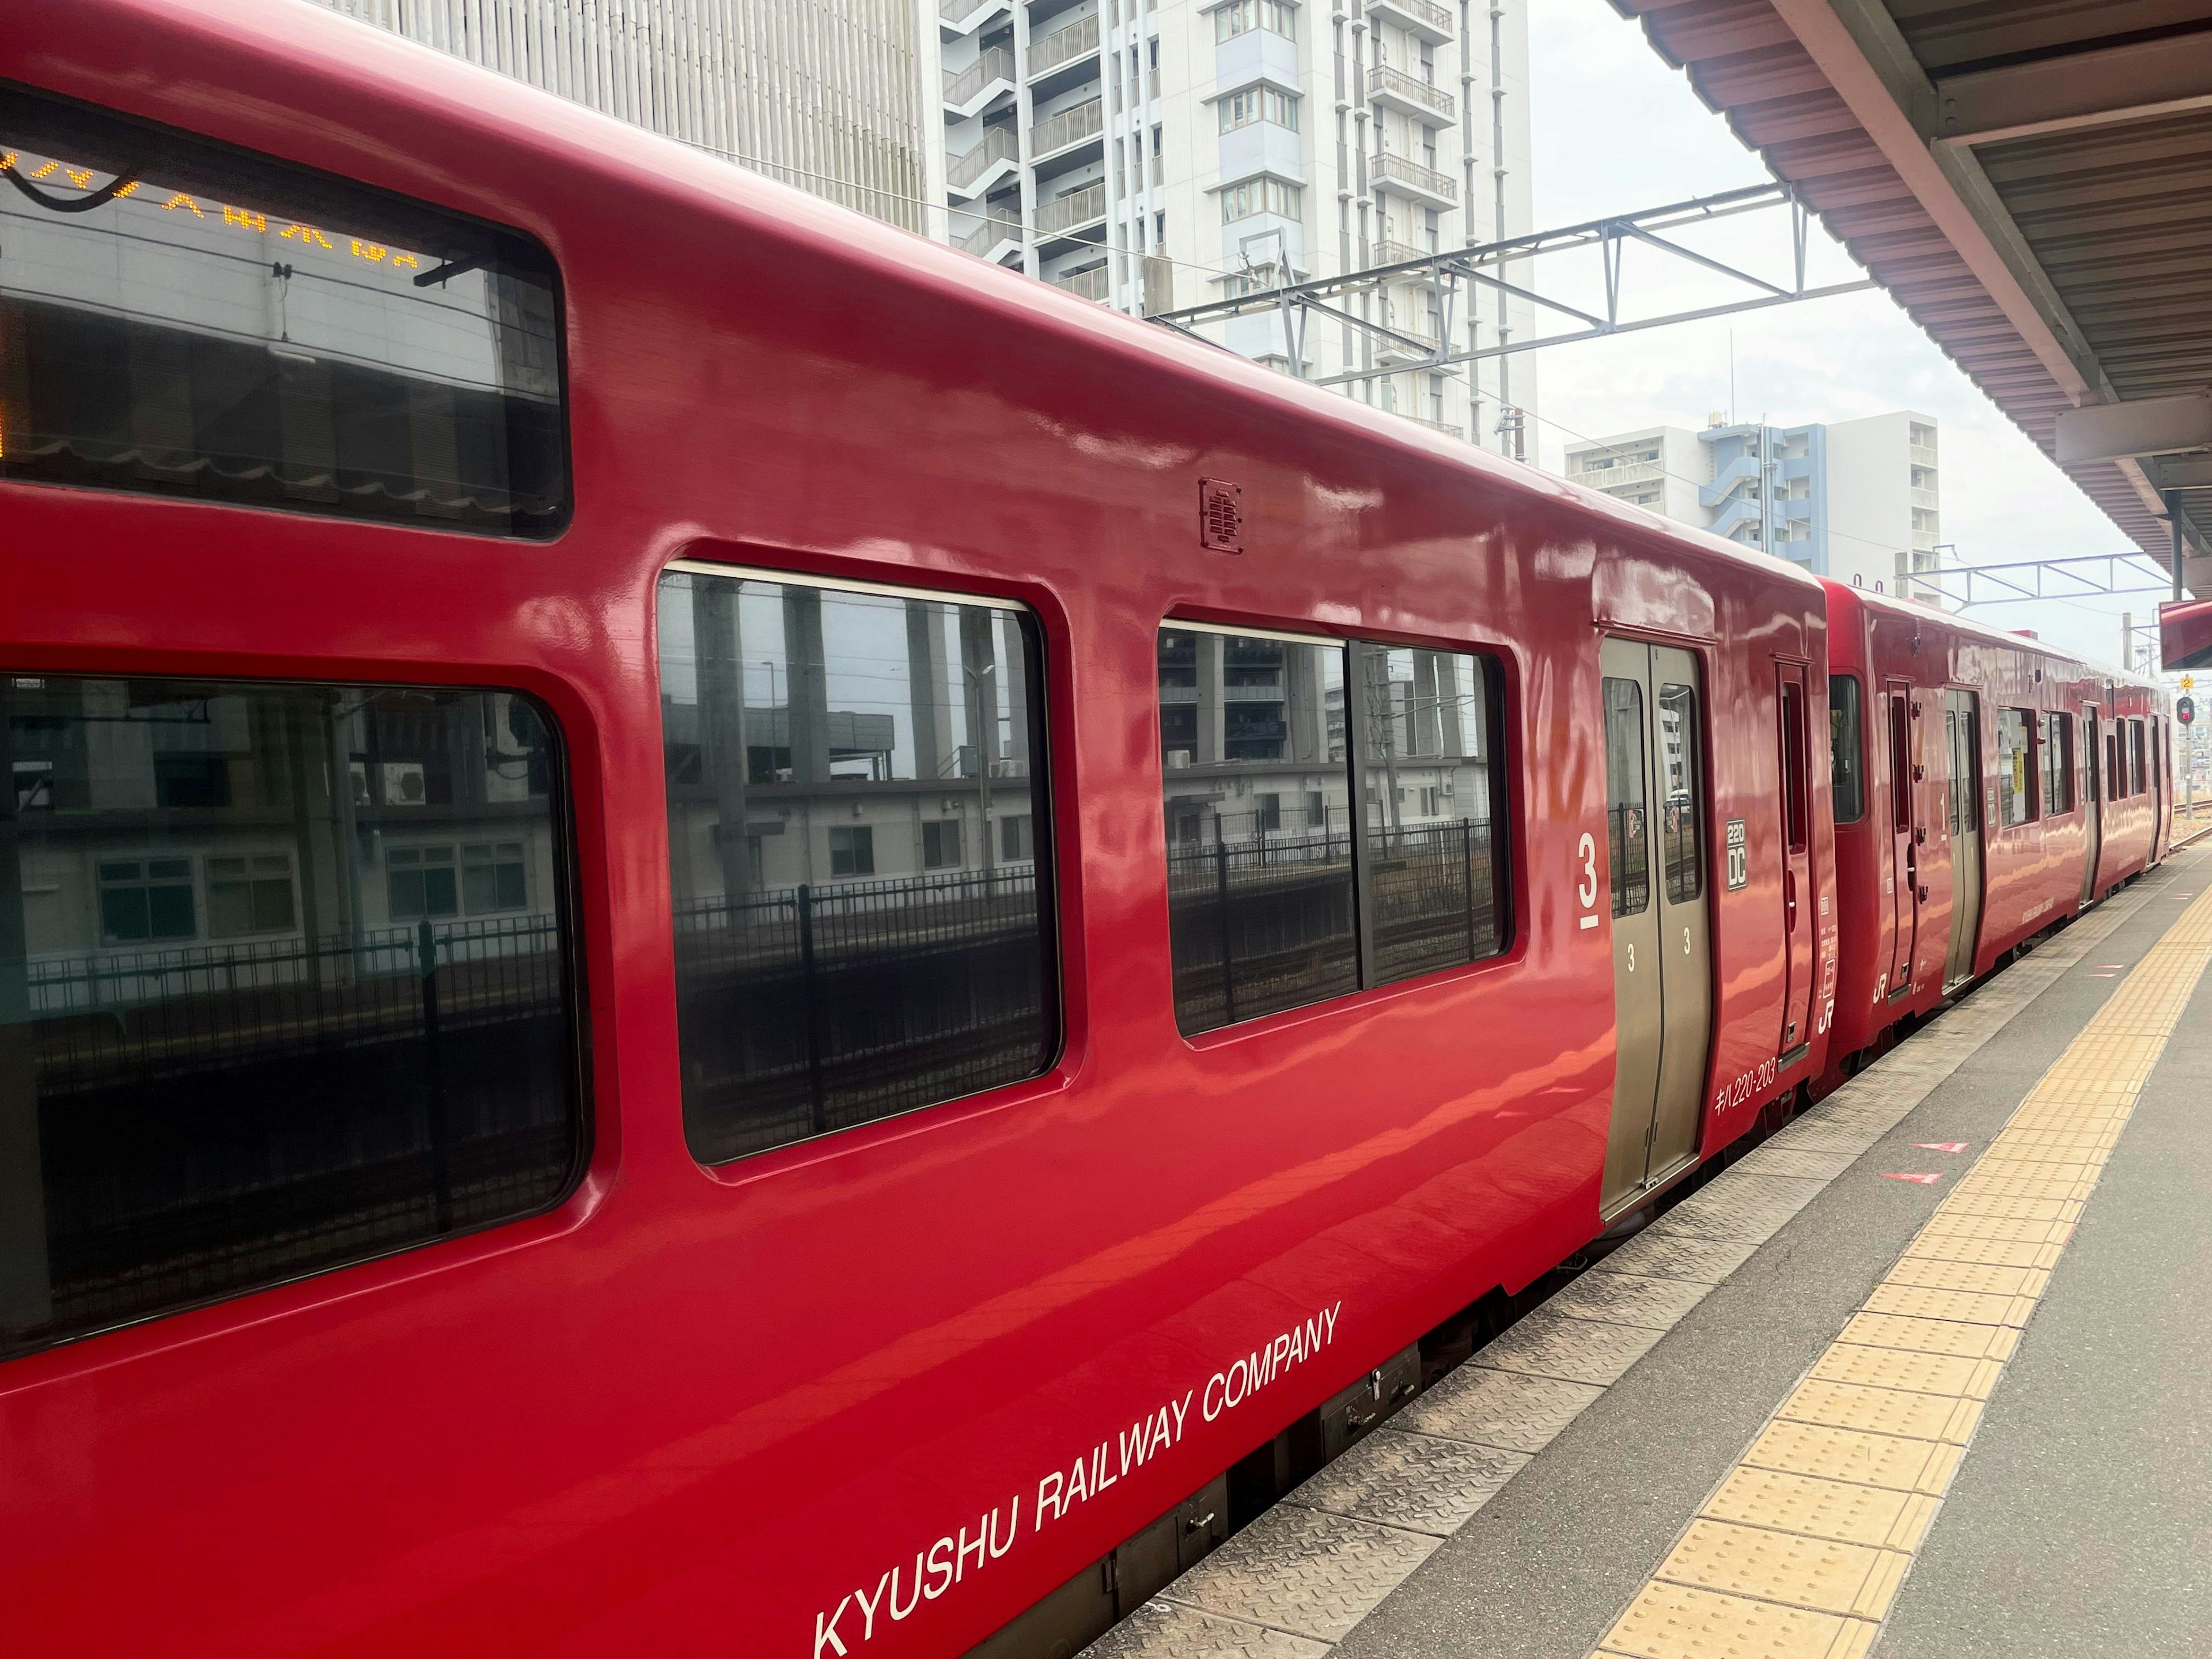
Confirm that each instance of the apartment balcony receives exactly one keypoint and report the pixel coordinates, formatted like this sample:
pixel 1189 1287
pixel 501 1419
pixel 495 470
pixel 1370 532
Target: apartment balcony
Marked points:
pixel 1396 89
pixel 1078 40
pixel 988 238
pixel 963 16
pixel 1925 541
pixel 1059 135
pixel 1429 21
pixel 1388 252
pixel 1159 284
pixel 1405 178
pixel 1921 455
pixel 1925 498
pixel 971 174
pixel 1092 284
pixel 1422 342
pixel 1618 475
pixel 1077 211
pixel 990 74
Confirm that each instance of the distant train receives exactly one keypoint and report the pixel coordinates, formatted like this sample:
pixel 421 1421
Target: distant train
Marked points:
pixel 719 934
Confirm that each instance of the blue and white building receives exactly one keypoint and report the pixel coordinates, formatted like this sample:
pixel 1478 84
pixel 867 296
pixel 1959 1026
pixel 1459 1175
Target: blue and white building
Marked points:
pixel 1857 501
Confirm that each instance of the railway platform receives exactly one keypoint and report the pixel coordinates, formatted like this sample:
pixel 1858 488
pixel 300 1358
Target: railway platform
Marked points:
pixel 1927 1372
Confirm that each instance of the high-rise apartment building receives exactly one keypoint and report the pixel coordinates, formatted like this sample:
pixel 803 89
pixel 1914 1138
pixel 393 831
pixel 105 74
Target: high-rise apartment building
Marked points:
pixel 1857 501
pixel 1156 153
pixel 825 95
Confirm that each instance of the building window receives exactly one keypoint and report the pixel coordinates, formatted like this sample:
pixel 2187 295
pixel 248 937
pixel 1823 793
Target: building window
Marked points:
pixel 1241 16
pixel 250 894
pixel 851 850
pixel 2015 767
pixel 2057 765
pixel 284 1082
pixel 494 877
pixel 147 902
pixel 1259 103
pixel 1265 915
pixel 421 882
pixel 940 845
pixel 807 1005
pixel 1257 196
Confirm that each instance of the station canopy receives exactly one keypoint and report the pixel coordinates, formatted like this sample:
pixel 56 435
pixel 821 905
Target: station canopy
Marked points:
pixel 2031 181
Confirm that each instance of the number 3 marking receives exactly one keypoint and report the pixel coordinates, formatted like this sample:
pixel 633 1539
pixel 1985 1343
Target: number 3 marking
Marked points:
pixel 1586 890
pixel 1631 958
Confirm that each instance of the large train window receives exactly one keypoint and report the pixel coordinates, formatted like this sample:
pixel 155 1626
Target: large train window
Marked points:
pixel 284 984
pixel 2057 765
pixel 1846 749
pixel 2015 767
pixel 1627 826
pixel 185 319
pixel 1279 894
pixel 859 853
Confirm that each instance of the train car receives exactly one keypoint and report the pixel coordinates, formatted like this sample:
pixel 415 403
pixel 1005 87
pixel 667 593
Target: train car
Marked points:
pixel 719 934
pixel 1986 788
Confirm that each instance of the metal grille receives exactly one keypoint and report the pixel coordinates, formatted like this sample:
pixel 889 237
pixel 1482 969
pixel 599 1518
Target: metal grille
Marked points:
pixel 823 95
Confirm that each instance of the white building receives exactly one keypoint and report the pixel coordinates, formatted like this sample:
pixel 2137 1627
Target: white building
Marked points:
pixel 825 95
pixel 1857 501
pixel 1157 154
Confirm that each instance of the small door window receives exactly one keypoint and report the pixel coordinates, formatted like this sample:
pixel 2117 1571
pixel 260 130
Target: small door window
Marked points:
pixel 1627 835
pixel 1679 775
pixel 1846 749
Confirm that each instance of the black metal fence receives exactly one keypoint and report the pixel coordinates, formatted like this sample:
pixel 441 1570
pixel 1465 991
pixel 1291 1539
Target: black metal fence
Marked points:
pixel 214 1117
pixel 1627 833
pixel 813 1008
pixel 1260 925
pixel 1435 897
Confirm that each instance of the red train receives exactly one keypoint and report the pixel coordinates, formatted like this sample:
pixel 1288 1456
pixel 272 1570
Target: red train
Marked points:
pixel 720 935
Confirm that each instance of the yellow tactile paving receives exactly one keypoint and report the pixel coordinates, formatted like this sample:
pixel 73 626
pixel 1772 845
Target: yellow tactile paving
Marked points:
pixel 1919 1301
pixel 1875 1328
pixel 1819 1573
pixel 1915 1373
pixel 1673 1621
pixel 1800 1550
pixel 1873 1460
pixel 1847 1511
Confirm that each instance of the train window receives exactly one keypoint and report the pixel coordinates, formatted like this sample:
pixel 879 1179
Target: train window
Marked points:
pixel 2057 763
pixel 1901 763
pixel 1427 742
pixel 857 852
pixel 226 1060
pixel 1678 773
pixel 1794 775
pixel 1846 749
pixel 2015 767
pixel 1261 911
pixel 2138 766
pixel 1260 736
pixel 1628 832
pixel 181 318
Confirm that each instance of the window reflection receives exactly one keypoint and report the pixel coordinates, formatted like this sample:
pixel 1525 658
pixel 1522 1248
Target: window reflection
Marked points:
pixel 860 927
pixel 1678 773
pixel 1259 827
pixel 1627 833
pixel 283 984
pixel 1433 887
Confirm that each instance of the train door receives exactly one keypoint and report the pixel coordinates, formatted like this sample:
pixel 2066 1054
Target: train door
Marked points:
pixel 1662 951
pixel 1798 908
pixel 1904 873
pixel 2093 802
pixel 1962 728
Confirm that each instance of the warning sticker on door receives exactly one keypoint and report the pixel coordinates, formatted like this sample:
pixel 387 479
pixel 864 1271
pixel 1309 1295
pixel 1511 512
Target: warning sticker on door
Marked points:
pixel 1739 856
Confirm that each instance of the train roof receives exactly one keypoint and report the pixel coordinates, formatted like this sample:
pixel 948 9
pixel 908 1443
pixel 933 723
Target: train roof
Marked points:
pixel 1929 616
pixel 358 101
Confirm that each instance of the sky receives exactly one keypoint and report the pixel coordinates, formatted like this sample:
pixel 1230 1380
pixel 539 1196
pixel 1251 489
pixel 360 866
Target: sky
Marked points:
pixel 1615 130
